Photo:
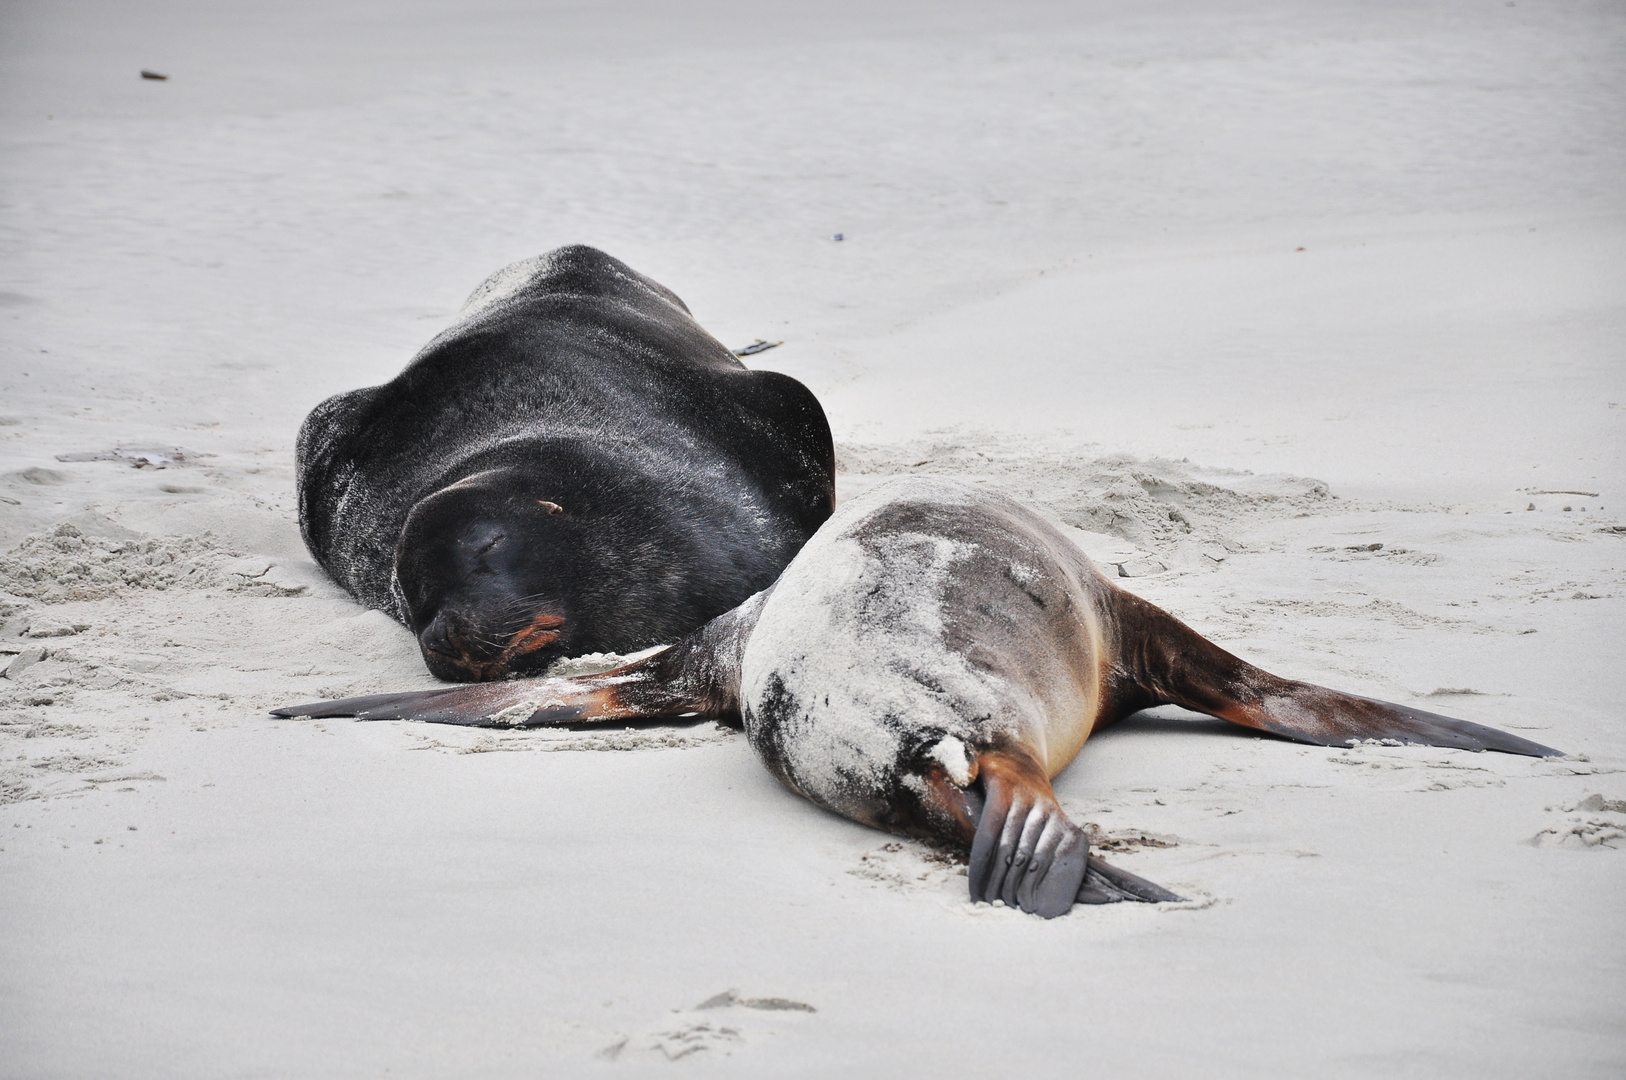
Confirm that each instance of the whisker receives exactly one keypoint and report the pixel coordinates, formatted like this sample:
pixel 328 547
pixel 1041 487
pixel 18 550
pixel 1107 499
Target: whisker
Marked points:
pixel 531 599
pixel 488 642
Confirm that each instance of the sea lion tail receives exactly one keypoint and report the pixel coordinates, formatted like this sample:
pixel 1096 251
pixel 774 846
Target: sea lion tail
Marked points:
pixel 1175 665
pixel 699 676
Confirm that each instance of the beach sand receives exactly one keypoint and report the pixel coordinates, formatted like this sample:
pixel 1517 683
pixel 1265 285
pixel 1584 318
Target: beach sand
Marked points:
pixel 1308 318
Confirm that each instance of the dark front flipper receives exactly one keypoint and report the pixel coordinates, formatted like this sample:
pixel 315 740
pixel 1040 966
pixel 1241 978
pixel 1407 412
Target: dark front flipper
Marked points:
pixel 1170 663
pixel 699 676
pixel 521 703
pixel 1028 854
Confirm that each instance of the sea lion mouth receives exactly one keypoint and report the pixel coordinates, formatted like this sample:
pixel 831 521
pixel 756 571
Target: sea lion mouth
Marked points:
pixel 459 654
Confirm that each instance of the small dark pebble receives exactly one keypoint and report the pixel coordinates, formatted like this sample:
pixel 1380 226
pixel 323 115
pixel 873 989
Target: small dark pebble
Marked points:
pixel 153 75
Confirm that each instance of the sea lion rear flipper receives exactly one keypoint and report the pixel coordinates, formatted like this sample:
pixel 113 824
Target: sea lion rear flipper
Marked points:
pixel 1106 884
pixel 699 676
pixel 1028 854
pixel 1173 664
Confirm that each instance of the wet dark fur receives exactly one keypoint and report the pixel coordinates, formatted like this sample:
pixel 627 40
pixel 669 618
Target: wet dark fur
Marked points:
pixel 632 478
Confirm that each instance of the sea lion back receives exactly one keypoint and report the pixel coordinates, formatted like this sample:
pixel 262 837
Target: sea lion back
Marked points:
pixel 681 480
pixel 926 610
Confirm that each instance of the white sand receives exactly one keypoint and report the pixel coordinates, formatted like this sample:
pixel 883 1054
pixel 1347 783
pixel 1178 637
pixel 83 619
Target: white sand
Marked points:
pixel 1070 262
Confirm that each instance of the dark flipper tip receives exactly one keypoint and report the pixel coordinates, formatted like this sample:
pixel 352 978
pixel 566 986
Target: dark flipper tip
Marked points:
pixel 1418 726
pixel 498 705
pixel 1106 884
pixel 1322 717
pixel 442 706
pixel 318 710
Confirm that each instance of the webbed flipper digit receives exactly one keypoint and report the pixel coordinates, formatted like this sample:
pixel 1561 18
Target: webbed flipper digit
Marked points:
pixel 1025 851
pixel 1029 855
pixel 1107 884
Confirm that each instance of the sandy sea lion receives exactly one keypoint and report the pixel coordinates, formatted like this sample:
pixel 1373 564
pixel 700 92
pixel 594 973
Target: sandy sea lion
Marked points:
pixel 925 665
pixel 574 466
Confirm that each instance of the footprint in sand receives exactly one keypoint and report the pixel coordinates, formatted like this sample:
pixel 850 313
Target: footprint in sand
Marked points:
pixel 715 1026
pixel 1593 822
pixel 906 865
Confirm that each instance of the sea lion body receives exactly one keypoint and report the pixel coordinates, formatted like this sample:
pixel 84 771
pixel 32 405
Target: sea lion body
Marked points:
pixel 925 665
pixel 574 466
pixel 933 621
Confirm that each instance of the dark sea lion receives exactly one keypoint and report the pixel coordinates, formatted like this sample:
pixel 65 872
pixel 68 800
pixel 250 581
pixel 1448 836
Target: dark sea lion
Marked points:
pixel 574 466
pixel 925 665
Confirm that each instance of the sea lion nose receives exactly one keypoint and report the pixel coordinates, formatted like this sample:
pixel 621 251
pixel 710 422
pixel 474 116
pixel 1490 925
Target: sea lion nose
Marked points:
pixel 437 637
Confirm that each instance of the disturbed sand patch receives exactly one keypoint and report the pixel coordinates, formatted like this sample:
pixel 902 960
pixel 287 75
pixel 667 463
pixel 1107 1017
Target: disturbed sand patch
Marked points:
pixel 1170 508
pixel 1593 822
pixel 678 735
pixel 67 564
pixel 718 1025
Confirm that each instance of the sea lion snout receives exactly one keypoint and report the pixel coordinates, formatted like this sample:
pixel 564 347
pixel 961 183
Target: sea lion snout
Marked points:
pixel 458 649
pixel 452 648
pixel 480 573
pixel 437 638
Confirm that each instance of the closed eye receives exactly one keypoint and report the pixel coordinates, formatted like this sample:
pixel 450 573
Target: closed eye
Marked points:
pixel 495 541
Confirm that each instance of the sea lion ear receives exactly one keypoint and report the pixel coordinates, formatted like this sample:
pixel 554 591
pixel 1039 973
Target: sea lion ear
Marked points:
pixel 550 507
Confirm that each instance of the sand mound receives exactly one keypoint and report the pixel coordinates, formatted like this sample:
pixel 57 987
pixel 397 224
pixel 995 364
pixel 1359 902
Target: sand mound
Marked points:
pixel 1593 823
pixel 1154 504
pixel 66 564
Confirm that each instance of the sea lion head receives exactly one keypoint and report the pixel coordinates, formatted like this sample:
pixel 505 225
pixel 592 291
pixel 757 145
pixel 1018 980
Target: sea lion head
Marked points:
pixel 480 565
